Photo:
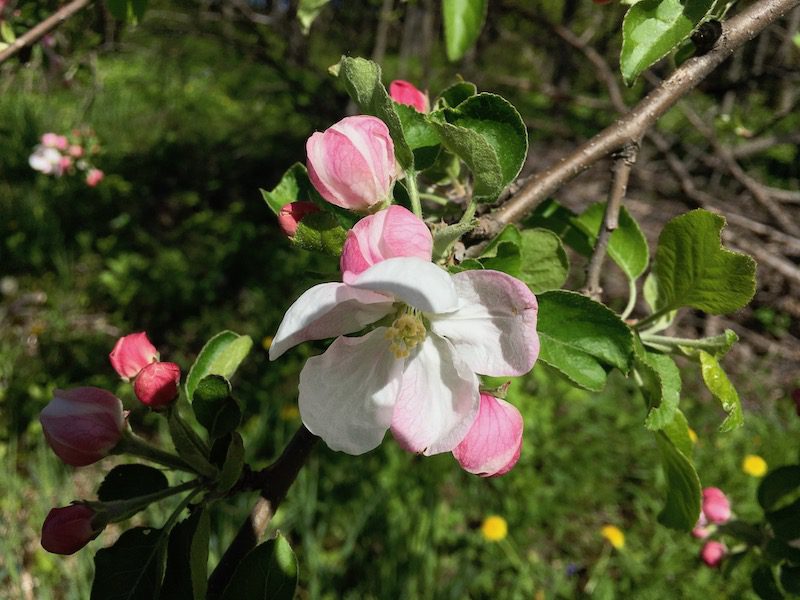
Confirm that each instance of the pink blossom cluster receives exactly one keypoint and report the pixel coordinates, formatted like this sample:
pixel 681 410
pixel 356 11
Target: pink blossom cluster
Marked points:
pixel 715 510
pixel 416 371
pixel 57 155
pixel 85 424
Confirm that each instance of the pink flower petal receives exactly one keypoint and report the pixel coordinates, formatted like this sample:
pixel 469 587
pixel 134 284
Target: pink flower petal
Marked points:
pixel 328 310
pixel 347 395
pixel 390 233
pixel 493 444
pixel 716 507
pixel 438 399
pixel 494 328
pixel 291 214
pixel 405 92
pixel 131 354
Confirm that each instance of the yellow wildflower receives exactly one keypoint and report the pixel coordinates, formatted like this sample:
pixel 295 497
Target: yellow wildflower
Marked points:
pixel 692 435
pixel 494 528
pixel 614 536
pixel 754 465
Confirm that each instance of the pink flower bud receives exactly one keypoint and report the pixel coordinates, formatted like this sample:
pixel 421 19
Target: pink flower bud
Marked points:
pixel 716 507
pixel 93 177
pixel 65 163
pixel 82 425
pixel 157 384
pixel 75 151
pixel 701 529
pixel 390 233
pixel 351 164
pixel 291 215
pixel 51 140
pixel 712 553
pixel 404 92
pixel 493 444
pixel 68 529
pixel 131 354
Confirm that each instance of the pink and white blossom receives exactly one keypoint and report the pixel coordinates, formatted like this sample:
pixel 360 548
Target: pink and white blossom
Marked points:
pixel 94 176
pixel 417 374
pixel 352 164
pixel 131 354
pixel 82 425
pixel 405 92
pixel 46 160
pixel 53 140
pixel 494 442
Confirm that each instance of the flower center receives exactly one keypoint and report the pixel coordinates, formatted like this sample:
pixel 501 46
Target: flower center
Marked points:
pixel 405 333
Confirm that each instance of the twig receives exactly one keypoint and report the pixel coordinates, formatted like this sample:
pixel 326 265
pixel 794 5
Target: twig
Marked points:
pixel 42 29
pixel 623 163
pixel 736 31
pixel 273 482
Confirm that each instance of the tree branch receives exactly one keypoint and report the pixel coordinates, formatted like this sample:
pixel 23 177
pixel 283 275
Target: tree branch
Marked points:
pixel 42 29
pixel 273 482
pixel 736 31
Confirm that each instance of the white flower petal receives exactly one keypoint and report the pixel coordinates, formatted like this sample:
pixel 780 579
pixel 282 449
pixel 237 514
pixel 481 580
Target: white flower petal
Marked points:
pixel 347 395
pixel 494 328
pixel 438 399
pixel 417 282
pixel 325 311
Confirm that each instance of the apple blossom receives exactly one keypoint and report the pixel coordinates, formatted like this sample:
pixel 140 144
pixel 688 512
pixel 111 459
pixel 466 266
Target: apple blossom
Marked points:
pixel 416 375
pixel 405 92
pixel 291 214
pixel 46 160
pixel 82 425
pixel 351 164
pixel 68 529
pixel 716 507
pixel 53 140
pixel 712 553
pixel 131 354
pixel 76 151
pixel 93 177
pixel 157 384
pixel 493 444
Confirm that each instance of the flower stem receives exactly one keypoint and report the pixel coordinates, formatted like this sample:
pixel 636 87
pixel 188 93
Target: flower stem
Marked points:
pixel 133 444
pixel 434 198
pixel 120 510
pixel 631 300
pixel 469 213
pixel 413 192
pixel 652 318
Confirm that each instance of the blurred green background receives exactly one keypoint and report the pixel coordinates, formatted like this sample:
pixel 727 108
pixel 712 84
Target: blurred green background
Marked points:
pixel 196 108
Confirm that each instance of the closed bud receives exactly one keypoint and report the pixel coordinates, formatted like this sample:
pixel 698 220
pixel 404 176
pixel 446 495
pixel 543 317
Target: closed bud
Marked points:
pixel 493 444
pixel 712 553
pixel 291 215
pixel 716 507
pixel 351 164
pixel 131 354
pixel 68 529
pixel 404 92
pixel 157 384
pixel 93 177
pixel 82 425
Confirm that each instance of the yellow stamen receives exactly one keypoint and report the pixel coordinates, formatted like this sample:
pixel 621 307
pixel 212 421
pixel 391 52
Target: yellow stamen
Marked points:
pixel 405 333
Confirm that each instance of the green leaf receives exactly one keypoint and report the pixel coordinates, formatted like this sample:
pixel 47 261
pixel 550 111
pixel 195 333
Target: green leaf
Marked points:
pixel 221 355
pixel 188 448
pixel 682 507
pixel 320 232
pixel 764 584
pixel 627 245
pixel 294 186
pixel 790 579
pixel 130 481
pixel 362 79
pixel 233 465
pixel 138 7
pixel 544 263
pixel 268 571
pixel 216 409
pixel 455 94
pixel 661 387
pixel 785 521
pixel 717 345
pixel 420 136
pixel 187 558
pixel 777 485
pixel 652 28
pixel 308 11
pixel 118 9
pixel 463 21
pixel 746 532
pixel 7 32
pixel 582 338
pixel 501 254
pixel 677 431
pixel 779 551
pixel 445 237
pixel 489 135
pixel 691 267
pixel 132 568
pixel 721 387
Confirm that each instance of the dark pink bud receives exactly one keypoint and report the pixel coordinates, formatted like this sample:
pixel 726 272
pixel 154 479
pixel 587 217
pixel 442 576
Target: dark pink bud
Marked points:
pixel 405 92
pixel 291 215
pixel 716 506
pixel 712 553
pixel 492 446
pixel 68 529
pixel 157 384
pixel 131 354
pixel 82 425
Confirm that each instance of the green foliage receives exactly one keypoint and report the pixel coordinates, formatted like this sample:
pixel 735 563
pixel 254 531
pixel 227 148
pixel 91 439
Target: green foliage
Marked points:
pixel 627 245
pixel 221 356
pixel 682 507
pixel 777 485
pixel 661 387
pixel 129 481
pixel 308 11
pixel 132 568
pixel 653 28
pixel 721 387
pixel 215 407
pixel 294 186
pixel 320 232
pixel 268 571
pixel 187 558
pixel 463 21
